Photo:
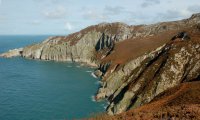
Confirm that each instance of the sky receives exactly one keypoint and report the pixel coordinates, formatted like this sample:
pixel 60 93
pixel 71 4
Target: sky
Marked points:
pixel 62 17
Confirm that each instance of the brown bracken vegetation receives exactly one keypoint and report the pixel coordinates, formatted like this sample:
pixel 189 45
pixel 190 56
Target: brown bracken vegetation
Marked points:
pixel 179 103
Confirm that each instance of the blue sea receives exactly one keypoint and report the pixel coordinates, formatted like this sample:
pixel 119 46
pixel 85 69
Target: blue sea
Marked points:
pixel 44 90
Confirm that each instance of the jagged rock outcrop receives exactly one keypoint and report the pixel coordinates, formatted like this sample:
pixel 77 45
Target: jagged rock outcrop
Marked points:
pixel 12 53
pixel 140 80
pixel 180 103
pixel 156 72
pixel 133 73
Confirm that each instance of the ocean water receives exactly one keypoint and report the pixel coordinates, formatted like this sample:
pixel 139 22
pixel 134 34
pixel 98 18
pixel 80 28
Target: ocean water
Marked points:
pixel 44 90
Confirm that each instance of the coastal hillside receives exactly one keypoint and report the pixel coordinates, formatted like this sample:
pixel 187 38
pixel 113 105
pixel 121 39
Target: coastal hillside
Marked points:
pixel 136 63
pixel 179 103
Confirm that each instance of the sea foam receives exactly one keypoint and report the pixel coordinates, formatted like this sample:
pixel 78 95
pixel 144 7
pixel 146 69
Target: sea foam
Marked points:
pixel 94 75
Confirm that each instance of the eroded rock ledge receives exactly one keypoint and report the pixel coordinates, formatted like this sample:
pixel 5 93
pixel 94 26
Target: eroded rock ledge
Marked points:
pixel 12 53
pixel 136 63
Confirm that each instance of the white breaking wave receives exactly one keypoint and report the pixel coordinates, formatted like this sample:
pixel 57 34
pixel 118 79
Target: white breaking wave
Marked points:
pixel 105 106
pixel 93 98
pixel 93 75
pixel 89 71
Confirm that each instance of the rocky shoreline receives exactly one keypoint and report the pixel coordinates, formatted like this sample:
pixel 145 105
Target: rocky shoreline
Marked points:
pixel 136 63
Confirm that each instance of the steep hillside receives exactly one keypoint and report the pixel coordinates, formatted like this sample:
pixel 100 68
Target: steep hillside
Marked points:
pixel 136 63
pixel 181 103
pixel 140 80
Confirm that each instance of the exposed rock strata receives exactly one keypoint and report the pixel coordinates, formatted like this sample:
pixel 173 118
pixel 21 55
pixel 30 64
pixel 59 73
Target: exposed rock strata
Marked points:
pixel 149 77
pixel 80 46
pixel 131 78
pixel 180 103
pixel 12 53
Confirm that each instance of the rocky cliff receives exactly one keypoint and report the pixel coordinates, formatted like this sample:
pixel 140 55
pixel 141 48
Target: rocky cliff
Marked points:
pixel 80 46
pixel 136 63
pixel 143 78
pixel 178 103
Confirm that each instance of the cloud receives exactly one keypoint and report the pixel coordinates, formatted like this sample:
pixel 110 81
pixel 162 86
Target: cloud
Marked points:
pixel 138 18
pixel 94 15
pixel 173 15
pixel 68 26
pixel 194 8
pixel 148 3
pixel 114 10
pixel 104 14
pixel 35 22
pixel 0 2
pixel 52 1
pixel 2 18
pixel 170 14
pixel 57 13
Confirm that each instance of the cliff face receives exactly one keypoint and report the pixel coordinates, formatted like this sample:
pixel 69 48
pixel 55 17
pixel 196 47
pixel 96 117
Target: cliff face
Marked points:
pixel 80 46
pixel 136 63
pixel 142 79
pixel 180 103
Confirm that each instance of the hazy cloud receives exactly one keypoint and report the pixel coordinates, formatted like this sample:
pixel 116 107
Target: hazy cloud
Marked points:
pixel 68 26
pixel 2 18
pixel 104 15
pixel 148 3
pixel 59 16
pixel 52 1
pixel 57 13
pixel 94 15
pixel 170 15
pixel 35 22
pixel 138 18
pixel 113 10
pixel 194 8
